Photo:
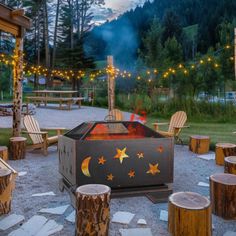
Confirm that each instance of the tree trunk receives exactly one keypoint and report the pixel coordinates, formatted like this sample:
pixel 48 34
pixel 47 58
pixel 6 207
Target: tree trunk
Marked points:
pixel 46 41
pixel 223 195
pixel 92 210
pixel 5 191
pixel 17 86
pixel 230 165
pixel 199 144
pixel 189 215
pixel 17 148
pixel 55 35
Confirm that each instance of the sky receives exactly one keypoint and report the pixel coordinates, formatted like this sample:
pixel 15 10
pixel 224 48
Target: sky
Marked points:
pixel 114 8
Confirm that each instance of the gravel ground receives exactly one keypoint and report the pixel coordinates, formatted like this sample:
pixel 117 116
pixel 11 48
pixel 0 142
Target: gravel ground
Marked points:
pixel 42 176
pixel 63 118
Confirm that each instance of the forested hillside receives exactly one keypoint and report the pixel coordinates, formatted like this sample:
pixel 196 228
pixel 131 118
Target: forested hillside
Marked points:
pixel 194 23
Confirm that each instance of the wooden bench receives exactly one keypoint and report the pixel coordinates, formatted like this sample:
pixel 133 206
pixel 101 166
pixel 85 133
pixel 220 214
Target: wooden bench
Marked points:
pixel 37 100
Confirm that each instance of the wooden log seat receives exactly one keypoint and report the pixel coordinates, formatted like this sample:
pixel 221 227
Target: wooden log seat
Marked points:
pixel 223 150
pixel 223 195
pixel 230 165
pixel 4 153
pixel 7 185
pixel 92 210
pixel 199 144
pixel 17 148
pixel 67 101
pixel 189 215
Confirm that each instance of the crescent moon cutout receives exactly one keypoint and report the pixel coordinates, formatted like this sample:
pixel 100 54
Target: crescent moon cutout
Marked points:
pixel 85 166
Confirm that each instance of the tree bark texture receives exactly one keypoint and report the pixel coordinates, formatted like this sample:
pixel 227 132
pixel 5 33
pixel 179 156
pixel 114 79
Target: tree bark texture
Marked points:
pixel 17 86
pixel 189 215
pixel 5 191
pixel 92 210
pixel 4 153
pixel 223 195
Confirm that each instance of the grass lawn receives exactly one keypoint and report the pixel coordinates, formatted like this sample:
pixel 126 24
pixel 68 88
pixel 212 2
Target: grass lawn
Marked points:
pixel 218 132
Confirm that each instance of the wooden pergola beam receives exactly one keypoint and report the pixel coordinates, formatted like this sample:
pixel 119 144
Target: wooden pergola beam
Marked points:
pixel 13 17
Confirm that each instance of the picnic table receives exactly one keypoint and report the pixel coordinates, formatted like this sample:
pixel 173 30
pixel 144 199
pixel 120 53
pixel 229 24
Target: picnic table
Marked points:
pixel 60 96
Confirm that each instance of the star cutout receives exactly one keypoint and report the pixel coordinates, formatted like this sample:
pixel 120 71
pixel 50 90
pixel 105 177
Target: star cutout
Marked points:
pixel 101 160
pixel 140 155
pixel 121 154
pixel 160 149
pixel 110 177
pixel 153 169
pixel 131 173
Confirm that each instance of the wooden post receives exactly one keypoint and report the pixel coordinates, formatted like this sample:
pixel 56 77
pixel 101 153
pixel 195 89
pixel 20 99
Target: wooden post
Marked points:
pixel 17 86
pixel 5 191
pixel 17 148
pixel 4 153
pixel 110 84
pixel 92 210
pixel 189 215
pixel 230 165
pixel 223 195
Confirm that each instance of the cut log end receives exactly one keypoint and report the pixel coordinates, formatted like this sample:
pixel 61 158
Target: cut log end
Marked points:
pixel 199 144
pixel 189 215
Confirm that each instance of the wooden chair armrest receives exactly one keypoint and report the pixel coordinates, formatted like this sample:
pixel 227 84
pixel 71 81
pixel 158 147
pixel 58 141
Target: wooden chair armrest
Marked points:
pixel 53 128
pixel 32 132
pixel 180 127
pixel 163 123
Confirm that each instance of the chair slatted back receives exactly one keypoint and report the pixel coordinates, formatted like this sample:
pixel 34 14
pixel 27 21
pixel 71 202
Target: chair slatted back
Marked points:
pixel 117 115
pixel 31 125
pixel 177 120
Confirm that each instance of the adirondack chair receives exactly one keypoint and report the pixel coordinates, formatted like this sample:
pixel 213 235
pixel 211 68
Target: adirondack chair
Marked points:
pixel 40 138
pixel 176 124
pixel 115 115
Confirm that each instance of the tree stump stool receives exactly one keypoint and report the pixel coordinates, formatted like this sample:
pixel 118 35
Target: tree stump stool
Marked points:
pixel 230 165
pixel 224 150
pixel 17 148
pixel 92 210
pixel 5 191
pixel 189 215
pixel 223 195
pixel 4 153
pixel 199 144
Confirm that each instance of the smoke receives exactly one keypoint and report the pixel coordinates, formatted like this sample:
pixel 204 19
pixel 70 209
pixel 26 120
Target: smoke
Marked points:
pixel 121 41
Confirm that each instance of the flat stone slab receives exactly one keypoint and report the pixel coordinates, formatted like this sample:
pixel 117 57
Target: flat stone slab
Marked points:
pixel 22 173
pixel 136 232
pixel 164 215
pixel 207 157
pixel 122 217
pixel 141 222
pixel 37 226
pixel 71 217
pixel 203 184
pixel 55 211
pixel 43 194
pixel 10 221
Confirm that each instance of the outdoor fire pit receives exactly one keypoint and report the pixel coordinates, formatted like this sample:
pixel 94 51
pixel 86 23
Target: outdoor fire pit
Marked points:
pixel 127 156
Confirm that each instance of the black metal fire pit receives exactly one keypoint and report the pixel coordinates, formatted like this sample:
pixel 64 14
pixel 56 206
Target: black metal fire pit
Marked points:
pixel 127 156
